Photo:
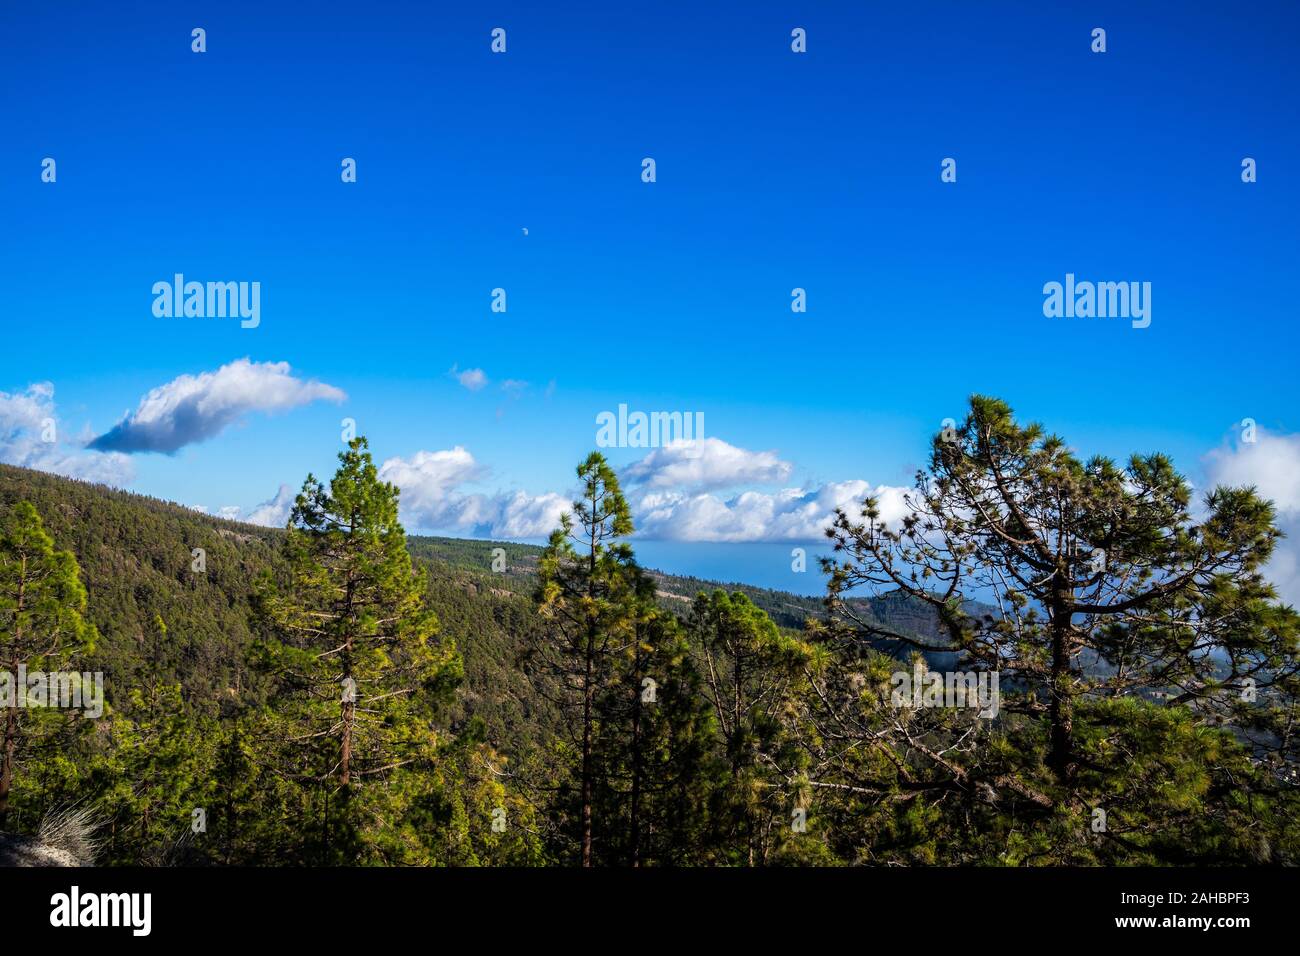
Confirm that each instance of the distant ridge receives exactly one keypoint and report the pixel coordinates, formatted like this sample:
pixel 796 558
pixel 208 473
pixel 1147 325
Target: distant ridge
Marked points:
pixel 136 555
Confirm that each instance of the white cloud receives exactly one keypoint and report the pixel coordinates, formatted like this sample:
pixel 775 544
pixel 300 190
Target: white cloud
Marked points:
pixel 706 463
pixel 429 479
pixel 194 408
pixel 792 514
pixel 432 500
pixel 274 512
pixel 678 499
pixel 29 437
pixel 526 516
pixel 1272 465
pixel 472 378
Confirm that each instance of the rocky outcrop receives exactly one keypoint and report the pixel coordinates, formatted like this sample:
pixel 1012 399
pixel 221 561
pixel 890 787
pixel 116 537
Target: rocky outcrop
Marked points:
pixel 64 839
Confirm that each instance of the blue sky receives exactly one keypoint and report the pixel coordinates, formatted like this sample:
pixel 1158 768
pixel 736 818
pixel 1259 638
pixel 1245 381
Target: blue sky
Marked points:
pixel 775 170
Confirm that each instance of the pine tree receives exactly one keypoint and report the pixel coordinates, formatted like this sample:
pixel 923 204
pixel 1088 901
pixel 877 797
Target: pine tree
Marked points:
pixel 589 596
pixel 655 747
pixel 42 625
pixel 755 680
pixel 635 777
pixel 1113 598
pixel 360 676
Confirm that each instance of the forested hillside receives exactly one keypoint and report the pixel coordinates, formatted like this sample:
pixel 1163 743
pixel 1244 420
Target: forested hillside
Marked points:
pixel 338 693
pixel 136 557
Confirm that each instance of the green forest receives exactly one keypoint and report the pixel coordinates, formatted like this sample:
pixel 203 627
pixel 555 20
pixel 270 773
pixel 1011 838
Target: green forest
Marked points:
pixel 338 693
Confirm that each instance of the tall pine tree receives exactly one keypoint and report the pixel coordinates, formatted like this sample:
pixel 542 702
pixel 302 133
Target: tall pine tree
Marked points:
pixel 588 593
pixel 360 675
pixel 754 679
pixel 42 627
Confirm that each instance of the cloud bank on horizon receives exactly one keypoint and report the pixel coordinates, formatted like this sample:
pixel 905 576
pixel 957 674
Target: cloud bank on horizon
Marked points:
pixel 432 499
pixel 703 490
pixel 31 437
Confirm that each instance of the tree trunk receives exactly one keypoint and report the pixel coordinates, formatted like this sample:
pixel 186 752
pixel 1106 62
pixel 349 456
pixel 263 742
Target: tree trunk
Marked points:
pixel 7 757
pixel 636 764
pixel 350 694
pixel 1060 757
pixel 738 712
pixel 586 754
pixel 588 692
pixel 345 761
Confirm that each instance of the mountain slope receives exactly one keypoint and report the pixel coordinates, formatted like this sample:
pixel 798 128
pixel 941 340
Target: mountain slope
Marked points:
pixel 138 560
